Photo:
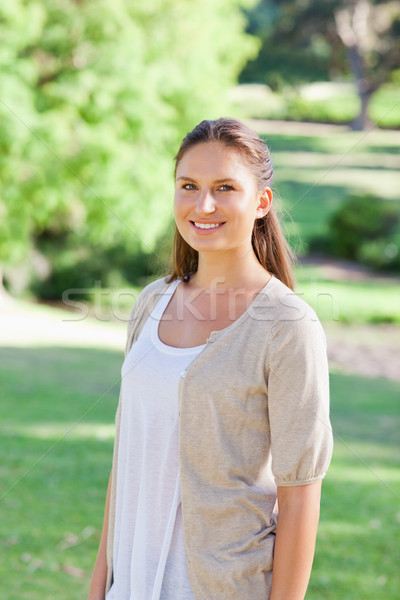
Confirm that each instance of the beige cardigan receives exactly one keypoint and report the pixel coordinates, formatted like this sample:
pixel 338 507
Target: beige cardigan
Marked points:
pixel 254 414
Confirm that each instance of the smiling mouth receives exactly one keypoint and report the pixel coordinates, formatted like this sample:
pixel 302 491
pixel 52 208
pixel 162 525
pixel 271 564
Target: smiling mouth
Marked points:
pixel 207 225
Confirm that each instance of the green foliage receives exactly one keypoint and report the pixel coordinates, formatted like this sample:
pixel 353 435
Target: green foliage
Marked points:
pixel 323 102
pixel 384 107
pixel 80 267
pixel 310 41
pixel 95 98
pixel 76 265
pixel 297 42
pixel 304 41
pixel 257 101
pixel 318 102
pixel 361 218
pixel 367 229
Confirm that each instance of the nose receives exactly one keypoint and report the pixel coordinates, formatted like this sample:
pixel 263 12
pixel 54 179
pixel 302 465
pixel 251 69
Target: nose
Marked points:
pixel 205 203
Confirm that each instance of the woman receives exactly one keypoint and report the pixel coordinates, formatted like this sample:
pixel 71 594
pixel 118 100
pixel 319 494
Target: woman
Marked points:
pixel 223 420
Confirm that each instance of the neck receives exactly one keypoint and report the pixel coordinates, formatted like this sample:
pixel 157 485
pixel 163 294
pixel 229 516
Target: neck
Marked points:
pixel 231 270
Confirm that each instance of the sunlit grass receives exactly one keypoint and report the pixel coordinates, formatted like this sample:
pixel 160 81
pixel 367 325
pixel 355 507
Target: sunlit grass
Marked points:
pixel 56 416
pixel 357 550
pixel 345 301
pixel 56 431
pixel 315 174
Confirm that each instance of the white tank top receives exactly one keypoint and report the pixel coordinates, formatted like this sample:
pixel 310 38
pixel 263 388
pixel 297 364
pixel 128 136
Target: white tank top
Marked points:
pixel 149 557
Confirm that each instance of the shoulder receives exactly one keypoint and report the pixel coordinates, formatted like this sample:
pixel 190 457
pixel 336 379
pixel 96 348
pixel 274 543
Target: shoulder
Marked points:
pixel 278 303
pixel 142 307
pixel 289 315
pixel 147 297
pixel 153 289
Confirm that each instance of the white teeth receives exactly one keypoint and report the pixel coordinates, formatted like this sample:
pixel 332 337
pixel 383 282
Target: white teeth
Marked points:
pixel 207 225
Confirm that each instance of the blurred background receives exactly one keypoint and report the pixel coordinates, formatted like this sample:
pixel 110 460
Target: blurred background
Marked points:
pixel 94 100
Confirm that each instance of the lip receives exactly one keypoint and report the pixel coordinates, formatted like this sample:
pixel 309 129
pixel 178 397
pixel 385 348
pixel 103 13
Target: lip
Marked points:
pixel 206 231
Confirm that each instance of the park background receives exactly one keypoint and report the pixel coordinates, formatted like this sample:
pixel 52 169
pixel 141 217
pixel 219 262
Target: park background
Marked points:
pixel 94 99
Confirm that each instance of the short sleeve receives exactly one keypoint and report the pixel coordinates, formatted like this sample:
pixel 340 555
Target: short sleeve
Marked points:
pixel 298 400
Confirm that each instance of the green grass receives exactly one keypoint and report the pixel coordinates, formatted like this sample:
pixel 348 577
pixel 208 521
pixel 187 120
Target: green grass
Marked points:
pixel 56 421
pixel 315 174
pixel 372 301
pixel 358 551
pixel 56 418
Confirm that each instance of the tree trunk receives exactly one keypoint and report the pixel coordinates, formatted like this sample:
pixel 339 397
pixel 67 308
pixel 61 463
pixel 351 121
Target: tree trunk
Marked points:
pixel 361 122
pixel 364 92
pixel 351 24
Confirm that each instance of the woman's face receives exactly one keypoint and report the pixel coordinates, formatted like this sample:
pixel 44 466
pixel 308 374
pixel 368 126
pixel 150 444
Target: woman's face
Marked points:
pixel 216 198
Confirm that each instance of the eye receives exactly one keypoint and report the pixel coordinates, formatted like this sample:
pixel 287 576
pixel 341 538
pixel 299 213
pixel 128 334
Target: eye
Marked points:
pixel 225 187
pixel 189 186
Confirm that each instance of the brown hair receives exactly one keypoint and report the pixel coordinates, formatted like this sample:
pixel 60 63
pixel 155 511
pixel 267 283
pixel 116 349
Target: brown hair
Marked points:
pixel 268 241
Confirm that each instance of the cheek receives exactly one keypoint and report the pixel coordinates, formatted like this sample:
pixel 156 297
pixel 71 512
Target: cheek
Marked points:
pixel 183 202
pixel 180 209
pixel 245 209
pixel 177 204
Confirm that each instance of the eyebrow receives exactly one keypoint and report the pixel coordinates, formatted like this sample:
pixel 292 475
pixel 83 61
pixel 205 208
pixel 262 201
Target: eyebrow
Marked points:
pixel 223 180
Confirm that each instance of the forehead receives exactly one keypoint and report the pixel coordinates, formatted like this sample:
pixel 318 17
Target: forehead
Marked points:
pixel 212 159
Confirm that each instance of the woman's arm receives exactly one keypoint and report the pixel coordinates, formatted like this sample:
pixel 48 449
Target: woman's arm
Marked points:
pixel 296 532
pixel 99 577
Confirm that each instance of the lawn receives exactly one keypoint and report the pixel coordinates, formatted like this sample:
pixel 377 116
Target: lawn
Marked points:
pixel 345 301
pixel 56 419
pixel 314 174
pixel 358 552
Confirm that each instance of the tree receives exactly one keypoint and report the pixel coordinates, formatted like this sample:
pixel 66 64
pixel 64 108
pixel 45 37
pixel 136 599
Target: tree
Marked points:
pixel 94 99
pixel 310 40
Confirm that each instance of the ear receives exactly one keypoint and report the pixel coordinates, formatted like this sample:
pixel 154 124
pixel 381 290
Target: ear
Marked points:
pixel 264 203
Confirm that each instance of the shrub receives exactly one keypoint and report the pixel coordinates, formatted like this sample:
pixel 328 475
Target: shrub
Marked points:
pixel 366 229
pixel 79 268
